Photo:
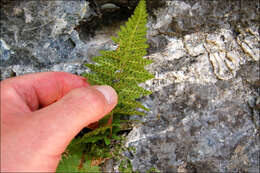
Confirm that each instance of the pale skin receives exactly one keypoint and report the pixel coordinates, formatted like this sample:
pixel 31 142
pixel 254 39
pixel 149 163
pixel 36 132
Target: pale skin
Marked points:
pixel 41 113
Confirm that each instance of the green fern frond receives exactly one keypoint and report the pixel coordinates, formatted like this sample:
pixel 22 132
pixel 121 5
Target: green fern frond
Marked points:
pixel 98 133
pixel 75 160
pixel 123 69
pixel 72 163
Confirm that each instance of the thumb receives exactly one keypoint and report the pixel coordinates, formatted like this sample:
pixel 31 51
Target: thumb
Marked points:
pixel 60 122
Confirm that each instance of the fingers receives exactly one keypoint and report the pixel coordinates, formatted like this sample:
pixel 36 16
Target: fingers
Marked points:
pixel 67 104
pixel 30 92
pixel 60 122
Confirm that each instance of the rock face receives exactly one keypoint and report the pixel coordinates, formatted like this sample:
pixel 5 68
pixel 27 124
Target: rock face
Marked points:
pixel 205 106
pixel 40 36
pixel 204 110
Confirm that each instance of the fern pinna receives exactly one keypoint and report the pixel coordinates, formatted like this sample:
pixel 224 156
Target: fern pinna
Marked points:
pixel 123 69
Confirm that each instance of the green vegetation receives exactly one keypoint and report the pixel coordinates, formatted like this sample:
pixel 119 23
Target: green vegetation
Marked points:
pixel 123 69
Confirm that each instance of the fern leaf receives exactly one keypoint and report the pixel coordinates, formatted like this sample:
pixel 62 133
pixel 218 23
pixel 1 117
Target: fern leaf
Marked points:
pixel 124 70
pixel 98 134
pixel 75 160
pixel 73 163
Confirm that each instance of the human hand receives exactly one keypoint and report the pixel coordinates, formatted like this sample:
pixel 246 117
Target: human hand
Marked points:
pixel 41 113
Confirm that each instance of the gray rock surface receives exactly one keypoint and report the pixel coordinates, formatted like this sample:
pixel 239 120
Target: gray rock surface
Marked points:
pixel 39 36
pixel 204 110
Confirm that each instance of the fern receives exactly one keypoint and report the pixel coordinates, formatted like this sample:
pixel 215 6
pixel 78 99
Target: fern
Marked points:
pixel 76 160
pixel 72 164
pixel 123 69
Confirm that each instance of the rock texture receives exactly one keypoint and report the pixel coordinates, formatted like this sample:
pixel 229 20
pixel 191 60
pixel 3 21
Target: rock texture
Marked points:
pixel 38 36
pixel 205 105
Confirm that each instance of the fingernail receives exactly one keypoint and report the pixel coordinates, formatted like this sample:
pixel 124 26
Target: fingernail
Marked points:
pixel 109 93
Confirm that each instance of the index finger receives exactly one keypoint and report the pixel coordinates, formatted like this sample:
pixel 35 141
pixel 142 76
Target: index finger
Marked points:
pixel 40 89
